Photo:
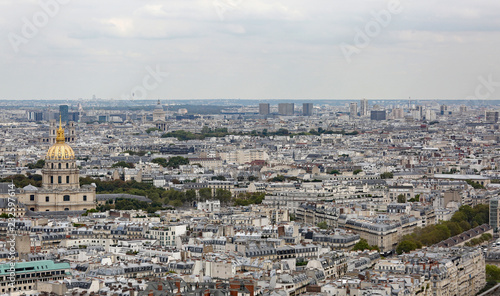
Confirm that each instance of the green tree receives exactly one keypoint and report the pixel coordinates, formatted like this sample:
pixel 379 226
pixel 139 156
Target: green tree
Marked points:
pixel 252 178
pixel 474 185
pixel 387 175
pixel 190 195
pixel 38 165
pixel 323 225
pixel 176 203
pixel 406 246
pixel 492 273
pixel 123 164
pixel 355 172
pixel 278 178
pixel 223 195
pixel 363 245
pixel 161 161
pixel 401 198
pixel 220 178
pixel 176 161
pixel 152 129
pixel 205 193
pixel 282 132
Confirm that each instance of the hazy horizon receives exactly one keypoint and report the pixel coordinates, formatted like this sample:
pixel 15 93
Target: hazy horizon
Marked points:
pixel 249 50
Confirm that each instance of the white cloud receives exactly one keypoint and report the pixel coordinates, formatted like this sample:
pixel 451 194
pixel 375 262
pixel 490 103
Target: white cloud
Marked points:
pixel 258 48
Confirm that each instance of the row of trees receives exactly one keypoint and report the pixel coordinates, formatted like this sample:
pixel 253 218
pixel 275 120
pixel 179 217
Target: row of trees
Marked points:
pixel 172 162
pixel 162 197
pixel 38 165
pixel 21 180
pixel 182 135
pixel 363 245
pixel 479 240
pixel 249 198
pixel 464 219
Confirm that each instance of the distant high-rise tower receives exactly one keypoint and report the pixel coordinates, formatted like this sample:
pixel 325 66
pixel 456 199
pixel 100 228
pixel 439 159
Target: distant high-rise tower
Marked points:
pixel 397 113
pixel 264 109
pixel 286 109
pixel 443 109
pixel 307 109
pixel 353 110
pixel 491 116
pixel 363 108
pixel 378 115
pixel 63 111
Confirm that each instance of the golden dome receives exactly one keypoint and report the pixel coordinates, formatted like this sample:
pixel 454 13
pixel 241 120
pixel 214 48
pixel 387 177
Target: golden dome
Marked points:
pixel 60 150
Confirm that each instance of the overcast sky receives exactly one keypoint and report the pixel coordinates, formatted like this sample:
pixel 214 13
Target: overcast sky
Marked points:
pixel 250 49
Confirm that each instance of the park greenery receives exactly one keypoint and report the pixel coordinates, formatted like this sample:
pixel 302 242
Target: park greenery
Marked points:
pixel 485 237
pixel 474 185
pixel 21 181
pixel 172 162
pixel 492 277
pixel 401 198
pixel 363 245
pixel 161 198
pixel 38 165
pixel 152 129
pixel 246 199
pixel 492 273
pixel 386 175
pixel 464 219
pixel 322 225
pixel 207 132
pixel 123 164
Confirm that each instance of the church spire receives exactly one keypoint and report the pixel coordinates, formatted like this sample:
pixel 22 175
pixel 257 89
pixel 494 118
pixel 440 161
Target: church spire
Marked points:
pixel 60 132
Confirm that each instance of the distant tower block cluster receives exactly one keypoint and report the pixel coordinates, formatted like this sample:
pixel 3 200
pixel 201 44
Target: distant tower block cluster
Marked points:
pixel 286 109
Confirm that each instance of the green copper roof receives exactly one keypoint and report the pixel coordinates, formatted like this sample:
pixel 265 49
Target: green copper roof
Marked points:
pixel 33 266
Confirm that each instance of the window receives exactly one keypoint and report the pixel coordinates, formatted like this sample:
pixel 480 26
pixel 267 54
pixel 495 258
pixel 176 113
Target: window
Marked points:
pixel 59 165
pixel 84 198
pixel 52 179
pixel 67 165
pixel 32 197
pixel 59 179
pixel 66 209
pixel 47 210
pixel 47 199
pixel 66 198
pixel 67 179
pixel 32 209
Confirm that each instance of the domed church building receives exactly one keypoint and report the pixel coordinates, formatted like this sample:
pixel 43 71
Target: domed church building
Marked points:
pixel 61 189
